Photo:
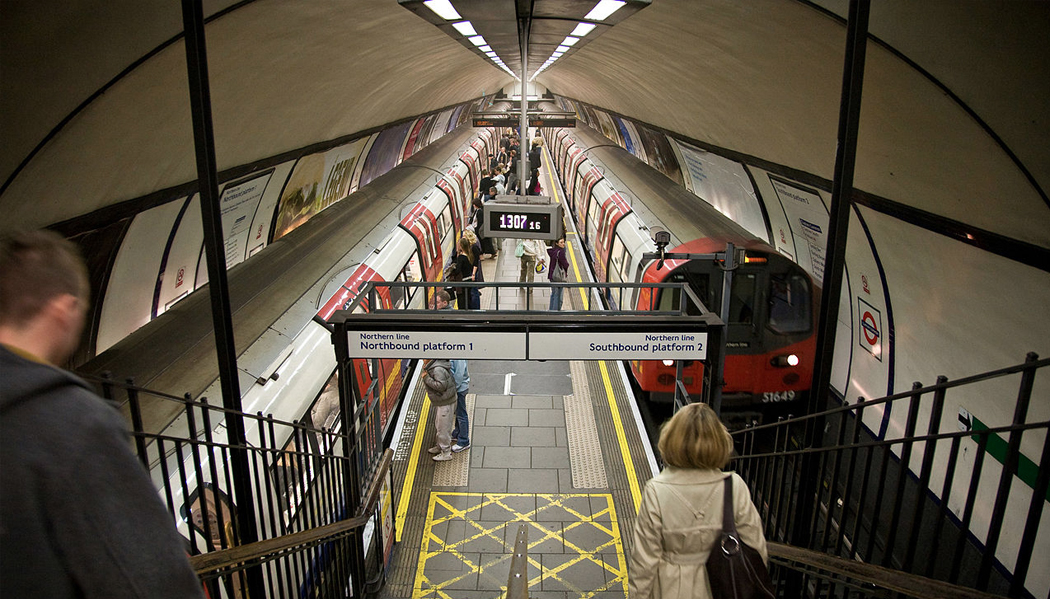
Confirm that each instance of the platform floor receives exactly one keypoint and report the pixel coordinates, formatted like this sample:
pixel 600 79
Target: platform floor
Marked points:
pixel 555 445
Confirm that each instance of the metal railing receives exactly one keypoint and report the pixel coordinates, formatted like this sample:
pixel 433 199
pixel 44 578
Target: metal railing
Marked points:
pixel 605 297
pixel 313 492
pixel 933 504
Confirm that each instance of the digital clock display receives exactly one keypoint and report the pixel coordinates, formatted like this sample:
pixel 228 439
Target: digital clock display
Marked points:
pixel 524 222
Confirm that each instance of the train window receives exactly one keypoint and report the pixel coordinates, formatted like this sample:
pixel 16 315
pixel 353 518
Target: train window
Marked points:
pixel 592 215
pixel 700 283
pixel 625 275
pixel 210 514
pixel 412 274
pixel 292 473
pixel 397 294
pixel 616 260
pixel 742 299
pixel 445 222
pixel 789 302
pixel 324 415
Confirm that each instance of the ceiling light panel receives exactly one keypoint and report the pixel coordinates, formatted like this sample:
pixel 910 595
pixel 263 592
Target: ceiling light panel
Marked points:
pixel 583 29
pixel 444 9
pixel 604 9
pixel 465 28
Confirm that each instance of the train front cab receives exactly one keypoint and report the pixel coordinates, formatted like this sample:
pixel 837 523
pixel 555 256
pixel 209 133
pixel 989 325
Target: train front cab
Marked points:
pixel 770 337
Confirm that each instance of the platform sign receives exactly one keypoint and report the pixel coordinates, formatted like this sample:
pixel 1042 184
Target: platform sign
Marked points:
pixel 523 221
pixel 450 345
pixel 618 346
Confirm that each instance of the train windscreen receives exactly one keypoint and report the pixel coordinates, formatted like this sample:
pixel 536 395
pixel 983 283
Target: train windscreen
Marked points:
pixel 789 304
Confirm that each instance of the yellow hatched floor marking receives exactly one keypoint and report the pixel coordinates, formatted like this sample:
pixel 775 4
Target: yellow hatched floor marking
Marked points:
pixel 497 568
pixel 413 466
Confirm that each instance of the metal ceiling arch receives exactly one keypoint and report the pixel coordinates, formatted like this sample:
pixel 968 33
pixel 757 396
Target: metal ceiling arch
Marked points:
pixel 954 117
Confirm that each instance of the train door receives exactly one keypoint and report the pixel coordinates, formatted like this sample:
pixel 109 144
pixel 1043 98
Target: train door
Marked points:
pixel 457 208
pixel 611 213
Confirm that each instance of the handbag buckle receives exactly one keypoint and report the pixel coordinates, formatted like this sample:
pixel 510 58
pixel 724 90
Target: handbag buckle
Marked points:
pixel 730 545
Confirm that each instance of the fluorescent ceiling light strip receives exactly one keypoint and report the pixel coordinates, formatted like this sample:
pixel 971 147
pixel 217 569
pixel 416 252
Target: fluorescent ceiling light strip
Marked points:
pixel 603 9
pixel 444 9
pixel 485 48
pixel 583 29
pixel 570 41
pixel 465 28
pixel 477 40
pixel 562 49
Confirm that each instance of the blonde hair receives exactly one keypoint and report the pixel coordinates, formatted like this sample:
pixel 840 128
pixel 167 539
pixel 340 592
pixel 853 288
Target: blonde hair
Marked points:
pixel 466 246
pixel 695 438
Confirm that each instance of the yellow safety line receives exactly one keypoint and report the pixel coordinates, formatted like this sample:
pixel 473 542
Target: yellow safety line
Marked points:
pixel 621 437
pixel 413 465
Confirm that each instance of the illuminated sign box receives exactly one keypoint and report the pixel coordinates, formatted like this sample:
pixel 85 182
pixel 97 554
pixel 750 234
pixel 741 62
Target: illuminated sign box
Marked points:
pixel 523 221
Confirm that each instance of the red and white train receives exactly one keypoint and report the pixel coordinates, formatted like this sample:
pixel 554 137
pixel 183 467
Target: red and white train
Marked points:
pixel 771 333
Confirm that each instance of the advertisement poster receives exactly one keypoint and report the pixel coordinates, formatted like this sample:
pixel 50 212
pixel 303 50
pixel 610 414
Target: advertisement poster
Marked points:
pixel 609 128
pixel 808 219
pixel 385 151
pixel 630 135
pixel 238 203
pixel 725 185
pixel 658 151
pixel 316 182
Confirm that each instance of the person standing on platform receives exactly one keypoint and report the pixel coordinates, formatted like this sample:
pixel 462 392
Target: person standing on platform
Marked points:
pixel 530 252
pixel 461 431
pixel 533 188
pixel 79 516
pixel 512 172
pixel 485 183
pixel 558 259
pixel 535 152
pixel 465 266
pixel 441 389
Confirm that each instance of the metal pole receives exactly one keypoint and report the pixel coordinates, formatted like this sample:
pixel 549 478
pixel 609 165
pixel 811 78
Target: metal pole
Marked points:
pixel 729 265
pixel 842 188
pixel 524 122
pixel 211 213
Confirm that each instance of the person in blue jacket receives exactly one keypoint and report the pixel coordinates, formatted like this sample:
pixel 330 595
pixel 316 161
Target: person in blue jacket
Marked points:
pixel 461 431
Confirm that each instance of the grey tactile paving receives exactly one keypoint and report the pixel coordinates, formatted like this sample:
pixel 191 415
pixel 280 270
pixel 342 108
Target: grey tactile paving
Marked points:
pixel 585 450
pixel 456 472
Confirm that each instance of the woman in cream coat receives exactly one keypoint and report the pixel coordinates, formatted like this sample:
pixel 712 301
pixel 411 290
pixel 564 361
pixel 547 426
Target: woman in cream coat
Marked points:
pixel 680 519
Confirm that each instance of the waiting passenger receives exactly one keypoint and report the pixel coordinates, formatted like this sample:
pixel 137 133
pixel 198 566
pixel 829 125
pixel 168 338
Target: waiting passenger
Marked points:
pixel 557 273
pixel 469 262
pixel 533 188
pixel 501 181
pixel 680 519
pixel 485 183
pixel 461 431
pixel 528 252
pixel 441 389
pixel 79 516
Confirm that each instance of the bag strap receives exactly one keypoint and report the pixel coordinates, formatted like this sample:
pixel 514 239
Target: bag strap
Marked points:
pixel 728 523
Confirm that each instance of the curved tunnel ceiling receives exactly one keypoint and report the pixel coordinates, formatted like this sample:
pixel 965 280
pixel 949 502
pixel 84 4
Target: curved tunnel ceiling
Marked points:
pixel 758 78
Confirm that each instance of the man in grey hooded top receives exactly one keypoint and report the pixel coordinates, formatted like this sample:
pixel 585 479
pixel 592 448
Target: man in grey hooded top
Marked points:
pixel 79 516
pixel 441 388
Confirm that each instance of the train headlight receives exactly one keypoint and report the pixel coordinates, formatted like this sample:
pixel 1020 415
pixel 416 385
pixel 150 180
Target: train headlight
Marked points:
pixel 668 362
pixel 785 361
